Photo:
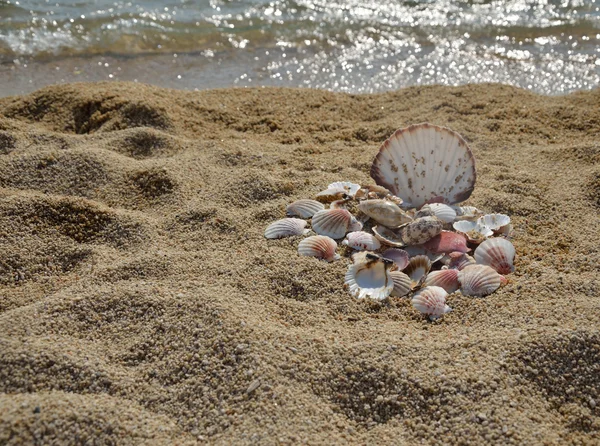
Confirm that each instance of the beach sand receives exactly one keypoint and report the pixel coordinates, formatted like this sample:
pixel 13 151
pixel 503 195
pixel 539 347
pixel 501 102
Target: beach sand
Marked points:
pixel 141 303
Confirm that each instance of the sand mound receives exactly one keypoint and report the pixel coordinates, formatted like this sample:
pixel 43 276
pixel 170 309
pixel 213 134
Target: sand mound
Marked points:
pixel 140 301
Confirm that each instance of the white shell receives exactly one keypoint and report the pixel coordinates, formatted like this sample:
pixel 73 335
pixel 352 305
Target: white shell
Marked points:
pixel 370 278
pixel 431 301
pixel 347 187
pixel 334 223
pixel 385 212
pixel 479 280
pixel 402 284
pixel 286 227
pixel 423 163
pixel 398 256
pixel 475 231
pixel 445 278
pixel 304 208
pixel 361 240
pixel 498 253
pixel 442 211
pixel 494 221
pixel 467 212
pixel 417 269
pixel 319 246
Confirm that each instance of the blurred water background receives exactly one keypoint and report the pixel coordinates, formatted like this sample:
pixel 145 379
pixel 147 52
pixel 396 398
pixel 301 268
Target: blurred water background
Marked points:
pixel 357 46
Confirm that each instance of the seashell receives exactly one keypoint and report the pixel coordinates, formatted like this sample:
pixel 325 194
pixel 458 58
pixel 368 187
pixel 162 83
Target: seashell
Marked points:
pixel 445 278
pixel 370 277
pixel 459 260
pixel 431 301
pixel 442 211
pixel 387 236
pixel 479 280
pixel 347 187
pixel 498 253
pixel 329 195
pixel 286 227
pixel 414 251
pixel 334 223
pixel 494 221
pixel 425 163
pixel 304 208
pixel 417 269
pixel 355 225
pixel 319 246
pixel 420 230
pixel 340 204
pixel 361 240
pixel 473 230
pixel 398 256
pixel 385 212
pixel 447 241
pixel 402 284
pixel 467 212
pixel 377 191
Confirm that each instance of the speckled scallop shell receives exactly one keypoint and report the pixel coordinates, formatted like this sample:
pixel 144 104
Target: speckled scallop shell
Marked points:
pixel 334 223
pixel 442 211
pixel 479 280
pixel 402 284
pixel 417 269
pixel 459 260
pixel 319 246
pixel 445 278
pixel 398 256
pixel 420 230
pixel 384 212
pixel 446 242
pixel 425 163
pixel 286 227
pixel 431 301
pixel 498 253
pixel 304 208
pixel 370 277
pixel 361 240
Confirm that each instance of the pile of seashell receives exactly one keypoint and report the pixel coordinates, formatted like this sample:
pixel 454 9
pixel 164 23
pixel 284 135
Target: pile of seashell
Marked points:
pixel 420 236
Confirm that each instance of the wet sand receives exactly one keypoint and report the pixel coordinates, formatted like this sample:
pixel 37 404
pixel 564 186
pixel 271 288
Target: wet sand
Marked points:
pixel 140 302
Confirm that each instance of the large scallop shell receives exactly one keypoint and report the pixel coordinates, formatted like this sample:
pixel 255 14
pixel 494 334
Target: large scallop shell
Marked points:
pixel 398 256
pixel 479 280
pixel 286 227
pixel 319 246
pixel 439 210
pixel 425 163
pixel 385 212
pixel 417 269
pixel 402 284
pixel 361 240
pixel 445 278
pixel 304 208
pixel 334 223
pixel 420 230
pixel 431 301
pixel 446 242
pixel 370 277
pixel 498 253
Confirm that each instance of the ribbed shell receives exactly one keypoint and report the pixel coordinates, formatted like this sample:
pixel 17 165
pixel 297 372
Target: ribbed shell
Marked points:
pixel 420 230
pixel 442 211
pixel 460 260
pixel 446 242
pixel 361 240
pixel 369 279
pixel 475 231
pixel 285 227
pixel 445 278
pixel 431 301
pixel 319 246
pixel 402 284
pixel 332 222
pixel 304 208
pixel 398 256
pixel 498 253
pixel 495 221
pixel 417 269
pixel 479 280
pixel 384 212
pixel 425 162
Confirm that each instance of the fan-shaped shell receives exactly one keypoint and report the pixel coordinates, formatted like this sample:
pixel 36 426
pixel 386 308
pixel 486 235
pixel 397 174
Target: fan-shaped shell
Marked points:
pixel 385 212
pixel 445 278
pixel 398 256
pixel 402 284
pixel 479 280
pixel 425 163
pixel 285 227
pixel 420 230
pixel 494 221
pixel 498 253
pixel 304 208
pixel 347 187
pixel 446 242
pixel 370 278
pixel 334 223
pixel 431 301
pixel 319 246
pixel 475 231
pixel 442 211
pixel 361 240
pixel 460 260
pixel 417 269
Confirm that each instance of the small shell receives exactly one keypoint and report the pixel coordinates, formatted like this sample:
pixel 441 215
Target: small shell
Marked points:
pixel 398 256
pixel 402 284
pixel 442 211
pixel 304 208
pixel 479 280
pixel 370 278
pixel 431 301
pixel 495 221
pixel 340 204
pixel 418 250
pixel 467 212
pixel 387 236
pixel 475 231
pixel 329 195
pixel 286 227
pixel 460 260
pixel 417 269
pixel 333 223
pixel 420 230
pixel 445 278
pixel 446 242
pixel 347 187
pixel 385 212
pixel 361 240
pixel 319 246
pixel 498 253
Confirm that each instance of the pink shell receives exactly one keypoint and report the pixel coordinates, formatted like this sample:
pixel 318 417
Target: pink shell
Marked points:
pixel 498 253
pixel 479 280
pixel 319 246
pixel 332 222
pixel 445 278
pixel 431 301
pixel 399 257
pixel 445 242
pixel 459 260
pixel 361 240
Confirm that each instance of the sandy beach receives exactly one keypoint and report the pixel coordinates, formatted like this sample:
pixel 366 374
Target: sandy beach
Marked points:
pixel 141 304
